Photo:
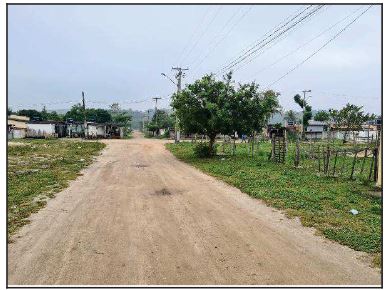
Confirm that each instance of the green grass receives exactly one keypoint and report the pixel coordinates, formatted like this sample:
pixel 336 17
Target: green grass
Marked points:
pixel 37 169
pixel 319 201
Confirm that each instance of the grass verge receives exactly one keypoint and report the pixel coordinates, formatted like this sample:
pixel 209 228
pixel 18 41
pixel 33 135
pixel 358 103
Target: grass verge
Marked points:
pixel 320 202
pixel 37 169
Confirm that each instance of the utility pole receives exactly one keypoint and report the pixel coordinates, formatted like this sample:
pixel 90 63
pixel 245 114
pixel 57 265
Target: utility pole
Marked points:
pixel 85 116
pixel 178 77
pixel 155 107
pixel 303 112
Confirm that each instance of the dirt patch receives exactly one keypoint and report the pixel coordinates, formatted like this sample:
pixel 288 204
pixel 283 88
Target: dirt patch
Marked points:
pixel 163 191
pixel 140 165
pixel 17 144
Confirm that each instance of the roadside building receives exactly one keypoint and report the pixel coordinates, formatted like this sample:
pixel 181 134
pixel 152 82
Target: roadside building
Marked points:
pixel 74 129
pixel 17 126
pixel 96 130
pixel 368 132
pixel 46 129
pixel 316 130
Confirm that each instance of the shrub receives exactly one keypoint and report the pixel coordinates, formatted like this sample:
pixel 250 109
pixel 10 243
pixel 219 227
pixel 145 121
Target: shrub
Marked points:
pixel 203 150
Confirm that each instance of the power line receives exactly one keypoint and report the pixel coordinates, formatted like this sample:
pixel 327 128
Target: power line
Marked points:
pixel 306 43
pixel 267 35
pixel 274 43
pixel 213 40
pixel 203 33
pixel 193 34
pixel 216 43
pixel 259 46
pixel 319 49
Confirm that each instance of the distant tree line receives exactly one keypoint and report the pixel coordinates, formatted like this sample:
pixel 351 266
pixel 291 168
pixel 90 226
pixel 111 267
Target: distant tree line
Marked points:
pixel 77 113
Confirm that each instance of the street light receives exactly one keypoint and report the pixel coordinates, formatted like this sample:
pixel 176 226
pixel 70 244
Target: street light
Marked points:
pixel 163 74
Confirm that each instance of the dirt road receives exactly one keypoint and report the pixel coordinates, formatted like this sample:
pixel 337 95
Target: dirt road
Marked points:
pixel 139 216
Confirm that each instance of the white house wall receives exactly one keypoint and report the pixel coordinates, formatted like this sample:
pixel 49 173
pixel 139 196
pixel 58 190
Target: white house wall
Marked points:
pixel 43 129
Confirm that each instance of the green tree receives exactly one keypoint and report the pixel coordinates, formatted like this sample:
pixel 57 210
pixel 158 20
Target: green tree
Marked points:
pixel 351 118
pixel 307 110
pixel 163 119
pixel 322 116
pixel 9 111
pixel 252 108
pixel 122 119
pixel 76 113
pixel 98 115
pixel 92 115
pixel 203 107
pixel 30 113
pixel 210 107
pixel 291 116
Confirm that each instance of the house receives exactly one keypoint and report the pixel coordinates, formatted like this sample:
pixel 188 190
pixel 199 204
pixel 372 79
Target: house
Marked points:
pixel 114 131
pixel 96 130
pixel 369 131
pixel 17 126
pixel 74 129
pixel 46 129
pixel 315 130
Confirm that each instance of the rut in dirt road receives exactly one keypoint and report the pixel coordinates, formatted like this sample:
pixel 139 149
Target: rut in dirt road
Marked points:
pixel 139 216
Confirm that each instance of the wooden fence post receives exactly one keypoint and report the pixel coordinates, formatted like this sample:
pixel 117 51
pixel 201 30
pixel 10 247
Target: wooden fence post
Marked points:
pixel 297 154
pixel 319 159
pixel 335 161
pixel 353 164
pixel 379 179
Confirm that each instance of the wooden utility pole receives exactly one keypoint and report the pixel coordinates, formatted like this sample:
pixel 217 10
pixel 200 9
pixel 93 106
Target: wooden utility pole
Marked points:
pixel 178 76
pixel 379 154
pixel 155 107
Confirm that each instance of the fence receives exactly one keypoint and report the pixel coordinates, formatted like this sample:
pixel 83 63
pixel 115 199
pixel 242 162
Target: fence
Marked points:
pixel 334 160
pixel 329 158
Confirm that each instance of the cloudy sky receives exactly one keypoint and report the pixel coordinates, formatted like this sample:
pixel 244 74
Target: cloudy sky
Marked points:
pixel 117 53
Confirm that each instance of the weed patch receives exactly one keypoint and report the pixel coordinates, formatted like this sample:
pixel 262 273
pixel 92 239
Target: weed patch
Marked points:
pixel 38 169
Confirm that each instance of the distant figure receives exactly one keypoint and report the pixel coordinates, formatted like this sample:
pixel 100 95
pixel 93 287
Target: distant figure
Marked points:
pixel 243 138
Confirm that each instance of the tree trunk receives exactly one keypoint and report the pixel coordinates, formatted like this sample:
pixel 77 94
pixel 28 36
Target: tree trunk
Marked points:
pixel 211 143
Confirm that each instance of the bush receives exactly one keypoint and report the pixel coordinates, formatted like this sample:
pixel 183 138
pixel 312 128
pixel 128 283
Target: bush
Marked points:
pixel 202 150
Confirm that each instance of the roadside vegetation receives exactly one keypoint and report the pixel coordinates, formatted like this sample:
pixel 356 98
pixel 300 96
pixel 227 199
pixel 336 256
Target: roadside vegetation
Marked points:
pixel 319 201
pixel 37 169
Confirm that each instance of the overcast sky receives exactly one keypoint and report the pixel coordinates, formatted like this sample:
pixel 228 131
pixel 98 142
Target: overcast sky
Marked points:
pixel 117 53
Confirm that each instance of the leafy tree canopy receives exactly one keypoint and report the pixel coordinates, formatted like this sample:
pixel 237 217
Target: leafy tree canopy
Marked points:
pixel 30 113
pixel 322 116
pixel 290 115
pixel 210 106
pixel 307 113
pixel 122 119
pixel 92 115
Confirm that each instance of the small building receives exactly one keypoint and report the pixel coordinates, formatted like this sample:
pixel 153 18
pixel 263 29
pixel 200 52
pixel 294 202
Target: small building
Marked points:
pixel 315 130
pixel 17 126
pixel 114 131
pixel 96 130
pixel 46 129
pixel 74 129
pixel 276 130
